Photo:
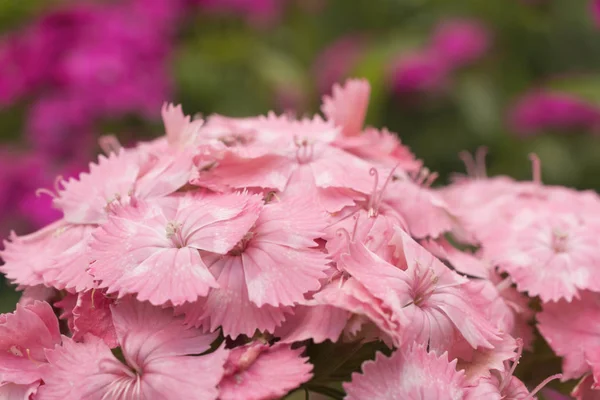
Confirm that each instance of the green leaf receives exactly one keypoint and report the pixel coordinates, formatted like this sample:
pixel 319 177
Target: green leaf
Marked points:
pixel 586 87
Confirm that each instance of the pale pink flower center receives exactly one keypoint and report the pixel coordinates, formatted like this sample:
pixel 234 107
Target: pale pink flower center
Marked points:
pixel 234 139
pixel 424 285
pixel 559 241
pixel 305 151
pixel 174 233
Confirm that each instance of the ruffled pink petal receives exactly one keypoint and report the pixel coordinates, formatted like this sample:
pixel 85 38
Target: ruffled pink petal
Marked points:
pixel 316 322
pixel 83 201
pixel 302 185
pixel 23 337
pixel 347 105
pixel 164 174
pixel 279 275
pixel 477 363
pixel 184 378
pixel 68 269
pixel 271 171
pixel 272 374
pixel 229 305
pixel 146 333
pixel 568 329
pixel 26 258
pixel 407 374
pixel 92 315
pixel 11 391
pixel 86 370
pixel 180 129
pixel 335 168
pixel 426 213
pixel 351 296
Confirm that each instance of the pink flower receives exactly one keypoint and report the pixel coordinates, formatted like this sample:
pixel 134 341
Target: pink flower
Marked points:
pixel 162 240
pixel 55 255
pixel 420 71
pixel 157 349
pixel 595 5
pixel 460 42
pixel 256 371
pixel 275 264
pixel 543 110
pixel 411 373
pixel 421 290
pixel 25 335
pixel 548 254
pixel 570 332
pixel 337 60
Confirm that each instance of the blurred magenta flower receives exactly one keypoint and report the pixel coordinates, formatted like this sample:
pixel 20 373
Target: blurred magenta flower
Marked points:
pixel 544 110
pixel 460 42
pixel 336 61
pixel 454 44
pixel 421 71
pixel 23 173
pixel 79 64
pixel 60 125
pixel 596 11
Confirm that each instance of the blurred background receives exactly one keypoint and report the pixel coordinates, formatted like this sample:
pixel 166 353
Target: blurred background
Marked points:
pixel 516 76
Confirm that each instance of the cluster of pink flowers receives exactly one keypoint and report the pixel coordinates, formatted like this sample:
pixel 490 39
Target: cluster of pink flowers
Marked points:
pixel 454 44
pixel 206 263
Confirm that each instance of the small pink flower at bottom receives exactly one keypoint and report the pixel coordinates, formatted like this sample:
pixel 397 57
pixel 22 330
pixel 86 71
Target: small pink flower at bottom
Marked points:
pixel 160 355
pixel 257 371
pixel 25 334
pixel 412 373
pixel 570 331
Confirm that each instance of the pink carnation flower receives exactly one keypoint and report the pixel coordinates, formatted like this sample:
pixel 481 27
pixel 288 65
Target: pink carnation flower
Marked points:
pixel 567 329
pixel 411 373
pixel 460 42
pixel 162 240
pixel 156 348
pixel 420 71
pixel 25 335
pixel 256 371
pixel 426 298
pixel 261 275
pixel 542 110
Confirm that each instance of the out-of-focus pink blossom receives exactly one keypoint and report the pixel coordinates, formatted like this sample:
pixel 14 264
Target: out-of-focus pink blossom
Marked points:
pixel 337 60
pixel 595 4
pixel 544 110
pixel 460 42
pixel 420 71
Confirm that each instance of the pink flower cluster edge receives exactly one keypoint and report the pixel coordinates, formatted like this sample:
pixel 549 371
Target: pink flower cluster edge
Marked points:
pixel 203 264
